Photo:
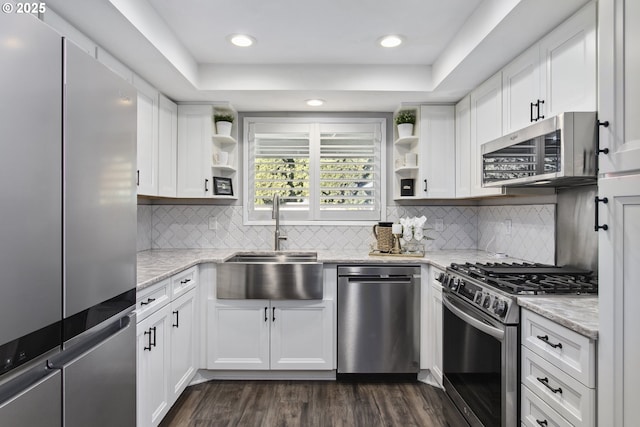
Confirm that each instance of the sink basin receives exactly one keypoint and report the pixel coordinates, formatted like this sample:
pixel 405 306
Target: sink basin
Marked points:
pixel 270 275
pixel 274 257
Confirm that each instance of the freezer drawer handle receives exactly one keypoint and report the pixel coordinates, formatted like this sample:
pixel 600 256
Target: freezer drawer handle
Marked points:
pixel 545 338
pixel 542 423
pixel 177 324
pixel 545 382
pixel 148 301
pixel 185 281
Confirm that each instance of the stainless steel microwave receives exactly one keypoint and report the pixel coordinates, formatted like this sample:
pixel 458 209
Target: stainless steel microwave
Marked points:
pixel 555 152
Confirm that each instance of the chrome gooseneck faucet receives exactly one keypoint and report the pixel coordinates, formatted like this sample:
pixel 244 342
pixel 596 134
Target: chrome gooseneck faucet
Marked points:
pixel 275 214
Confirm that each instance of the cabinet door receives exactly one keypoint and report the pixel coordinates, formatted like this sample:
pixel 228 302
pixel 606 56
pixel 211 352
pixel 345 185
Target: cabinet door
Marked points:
pixel 568 55
pixel 238 334
pixel 520 90
pixel 619 269
pixel 438 152
pixel 618 85
pixel 486 125
pixel 463 147
pixel 153 362
pixel 183 311
pixel 167 148
pixel 147 159
pixel 302 335
pixel 436 327
pixel 194 151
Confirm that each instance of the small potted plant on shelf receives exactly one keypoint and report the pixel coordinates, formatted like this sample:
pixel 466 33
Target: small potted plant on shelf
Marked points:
pixel 223 122
pixel 405 121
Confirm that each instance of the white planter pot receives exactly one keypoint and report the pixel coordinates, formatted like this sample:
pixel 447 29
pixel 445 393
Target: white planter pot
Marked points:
pixel 405 130
pixel 223 128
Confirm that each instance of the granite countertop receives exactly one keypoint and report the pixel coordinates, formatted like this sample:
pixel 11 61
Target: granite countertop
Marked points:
pixel 578 313
pixel 159 264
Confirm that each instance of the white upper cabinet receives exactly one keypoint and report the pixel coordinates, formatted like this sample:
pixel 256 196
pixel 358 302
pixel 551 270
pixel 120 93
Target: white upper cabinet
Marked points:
pixel 555 75
pixel 147 173
pixel 194 151
pixel 486 125
pixel 619 85
pixel 437 152
pixel 167 148
pixel 463 148
pixel 521 90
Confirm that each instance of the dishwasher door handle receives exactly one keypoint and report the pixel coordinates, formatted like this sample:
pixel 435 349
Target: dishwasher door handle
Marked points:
pixel 402 280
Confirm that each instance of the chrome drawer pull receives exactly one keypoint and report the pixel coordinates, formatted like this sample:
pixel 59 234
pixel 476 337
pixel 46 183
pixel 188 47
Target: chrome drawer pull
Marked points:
pixel 545 338
pixel 542 423
pixel 545 381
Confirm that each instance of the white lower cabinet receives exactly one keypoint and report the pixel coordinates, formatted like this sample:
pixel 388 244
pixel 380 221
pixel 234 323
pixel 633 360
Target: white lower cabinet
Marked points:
pixel 166 314
pixel 277 335
pixel 436 330
pixel 153 367
pixel 557 375
pixel 431 324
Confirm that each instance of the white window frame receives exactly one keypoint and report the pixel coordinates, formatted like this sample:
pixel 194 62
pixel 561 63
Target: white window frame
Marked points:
pixel 286 217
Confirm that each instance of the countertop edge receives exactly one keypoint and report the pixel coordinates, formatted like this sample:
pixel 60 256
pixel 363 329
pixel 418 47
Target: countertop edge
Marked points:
pixel 536 305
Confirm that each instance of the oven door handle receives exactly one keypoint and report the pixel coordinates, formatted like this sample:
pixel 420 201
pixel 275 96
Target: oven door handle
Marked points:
pixel 471 320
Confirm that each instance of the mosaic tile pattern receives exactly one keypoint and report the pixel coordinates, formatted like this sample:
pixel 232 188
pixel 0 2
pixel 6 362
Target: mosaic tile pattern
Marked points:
pixel 465 227
pixel 144 227
pixel 532 232
pixel 185 226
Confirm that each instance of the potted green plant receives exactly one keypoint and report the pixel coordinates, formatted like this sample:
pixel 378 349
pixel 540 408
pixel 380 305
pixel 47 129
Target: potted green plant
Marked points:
pixel 405 121
pixel 223 122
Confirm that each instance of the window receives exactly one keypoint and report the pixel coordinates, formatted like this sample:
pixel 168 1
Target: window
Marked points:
pixel 323 170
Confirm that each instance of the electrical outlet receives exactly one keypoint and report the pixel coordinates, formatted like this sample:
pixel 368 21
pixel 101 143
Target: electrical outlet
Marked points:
pixel 213 223
pixel 439 224
pixel 507 227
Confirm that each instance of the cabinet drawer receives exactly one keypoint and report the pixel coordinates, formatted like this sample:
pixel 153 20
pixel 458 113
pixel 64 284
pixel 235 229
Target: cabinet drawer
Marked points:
pixel 151 299
pixel 536 413
pixel 571 399
pixel 183 282
pixel 573 353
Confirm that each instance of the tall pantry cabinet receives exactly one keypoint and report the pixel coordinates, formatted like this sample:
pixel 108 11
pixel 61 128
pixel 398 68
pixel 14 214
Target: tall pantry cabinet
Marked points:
pixel 619 210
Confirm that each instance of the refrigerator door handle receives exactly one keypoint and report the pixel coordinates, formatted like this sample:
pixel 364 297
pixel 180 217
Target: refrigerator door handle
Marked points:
pixel 87 342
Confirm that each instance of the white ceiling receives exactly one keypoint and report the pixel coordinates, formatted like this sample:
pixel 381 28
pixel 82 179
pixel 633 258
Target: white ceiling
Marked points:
pixel 326 49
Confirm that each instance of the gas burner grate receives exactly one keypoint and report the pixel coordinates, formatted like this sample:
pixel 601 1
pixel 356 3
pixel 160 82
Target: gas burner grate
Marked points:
pixel 530 278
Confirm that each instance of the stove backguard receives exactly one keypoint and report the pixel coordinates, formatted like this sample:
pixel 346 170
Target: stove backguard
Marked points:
pixel 576 242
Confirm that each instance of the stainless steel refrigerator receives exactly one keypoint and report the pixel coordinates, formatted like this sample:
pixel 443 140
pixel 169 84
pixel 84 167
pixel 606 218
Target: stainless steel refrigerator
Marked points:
pixel 67 233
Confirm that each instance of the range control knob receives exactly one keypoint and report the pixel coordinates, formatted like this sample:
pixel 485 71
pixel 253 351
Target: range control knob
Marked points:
pixel 500 307
pixel 478 298
pixel 487 301
pixel 440 278
pixel 454 283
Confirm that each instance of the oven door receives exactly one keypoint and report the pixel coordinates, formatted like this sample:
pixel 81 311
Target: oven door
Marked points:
pixel 480 364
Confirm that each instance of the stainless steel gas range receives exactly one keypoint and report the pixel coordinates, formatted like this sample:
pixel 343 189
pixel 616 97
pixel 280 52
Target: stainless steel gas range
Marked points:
pixel 481 332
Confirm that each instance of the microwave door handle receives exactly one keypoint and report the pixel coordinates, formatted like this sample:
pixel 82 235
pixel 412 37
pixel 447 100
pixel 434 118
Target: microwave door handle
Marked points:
pixel 478 324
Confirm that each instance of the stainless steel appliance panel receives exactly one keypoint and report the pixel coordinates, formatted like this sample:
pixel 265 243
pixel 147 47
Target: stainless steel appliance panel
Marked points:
pixel 30 176
pixel 36 400
pixel 100 382
pixel 576 243
pixel 99 183
pixel 378 319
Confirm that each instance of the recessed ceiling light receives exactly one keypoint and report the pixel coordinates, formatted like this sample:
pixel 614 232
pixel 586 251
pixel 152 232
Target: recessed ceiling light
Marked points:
pixel 391 41
pixel 241 40
pixel 315 102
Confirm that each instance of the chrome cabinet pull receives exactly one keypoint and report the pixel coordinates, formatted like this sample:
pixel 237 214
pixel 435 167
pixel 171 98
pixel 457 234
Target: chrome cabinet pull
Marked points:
pixel 545 382
pixel 597 226
pixel 545 338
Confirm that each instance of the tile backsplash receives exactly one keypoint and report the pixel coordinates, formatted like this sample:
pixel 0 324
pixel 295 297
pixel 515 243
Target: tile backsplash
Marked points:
pixel 532 234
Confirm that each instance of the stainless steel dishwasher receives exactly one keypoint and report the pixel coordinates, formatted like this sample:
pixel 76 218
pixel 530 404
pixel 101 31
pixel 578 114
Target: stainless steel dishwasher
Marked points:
pixel 378 319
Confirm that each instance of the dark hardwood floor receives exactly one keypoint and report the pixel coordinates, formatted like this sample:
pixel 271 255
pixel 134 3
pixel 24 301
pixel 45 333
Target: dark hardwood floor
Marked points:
pixel 308 403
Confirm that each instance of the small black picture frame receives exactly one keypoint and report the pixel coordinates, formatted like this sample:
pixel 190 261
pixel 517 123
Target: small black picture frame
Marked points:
pixel 222 186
